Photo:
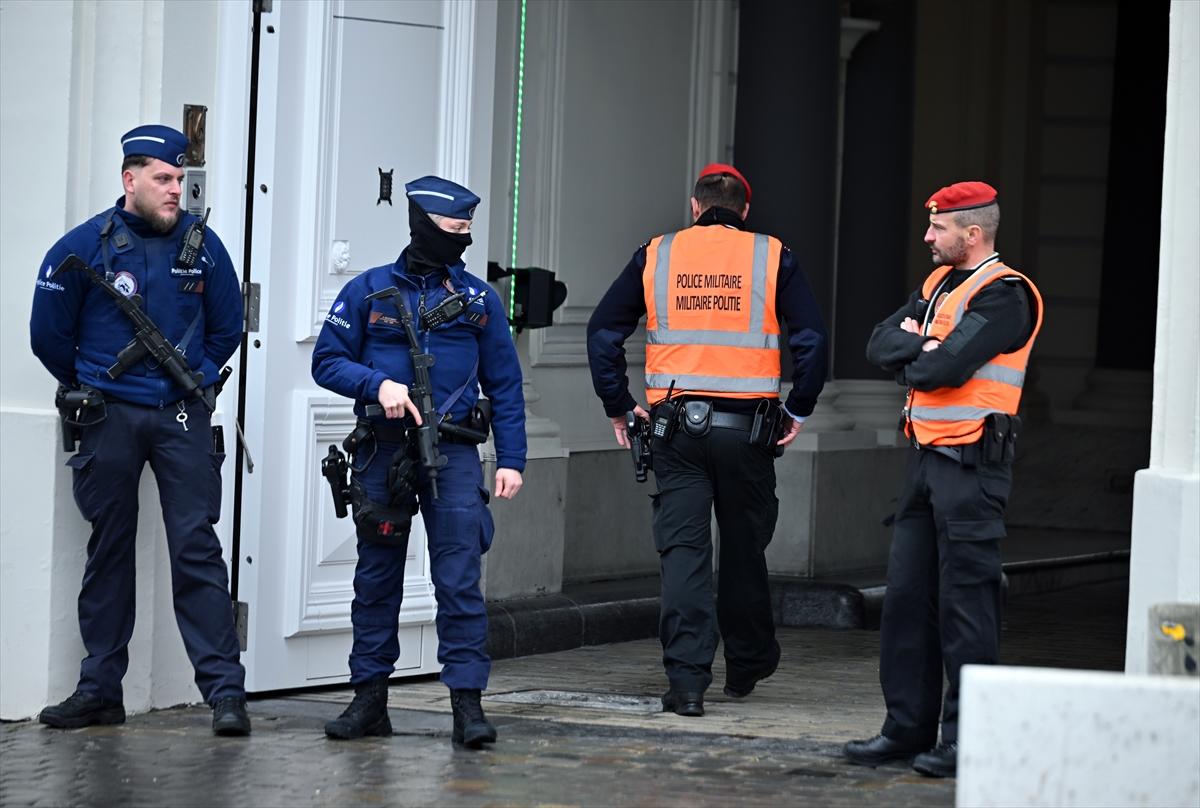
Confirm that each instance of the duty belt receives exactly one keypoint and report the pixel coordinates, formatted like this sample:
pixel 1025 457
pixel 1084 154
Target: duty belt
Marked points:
pixel 966 455
pixel 397 431
pixel 385 431
pixel 732 420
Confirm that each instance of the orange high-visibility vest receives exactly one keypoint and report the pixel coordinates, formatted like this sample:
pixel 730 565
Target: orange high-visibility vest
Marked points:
pixel 953 416
pixel 711 326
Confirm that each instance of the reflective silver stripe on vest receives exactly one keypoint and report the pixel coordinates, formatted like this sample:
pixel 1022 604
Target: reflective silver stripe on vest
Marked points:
pixel 725 339
pixel 715 384
pixel 951 413
pixel 996 270
pixel 662 259
pixel 1002 374
pixel 758 283
pixel 753 338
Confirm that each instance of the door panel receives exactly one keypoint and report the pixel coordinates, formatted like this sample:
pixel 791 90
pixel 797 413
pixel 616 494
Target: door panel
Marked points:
pixel 379 126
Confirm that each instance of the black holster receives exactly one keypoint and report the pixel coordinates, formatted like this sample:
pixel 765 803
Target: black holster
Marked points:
pixel 77 408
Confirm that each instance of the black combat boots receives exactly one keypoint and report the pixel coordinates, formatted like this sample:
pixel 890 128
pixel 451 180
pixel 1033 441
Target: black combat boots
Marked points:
pixel 366 715
pixel 471 727
pixel 82 709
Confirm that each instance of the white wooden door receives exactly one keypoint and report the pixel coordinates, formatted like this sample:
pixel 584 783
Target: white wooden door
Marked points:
pixel 347 89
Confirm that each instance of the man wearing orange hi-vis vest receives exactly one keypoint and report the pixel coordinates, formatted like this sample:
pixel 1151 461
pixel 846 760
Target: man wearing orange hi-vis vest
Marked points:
pixel 714 296
pixel 960 346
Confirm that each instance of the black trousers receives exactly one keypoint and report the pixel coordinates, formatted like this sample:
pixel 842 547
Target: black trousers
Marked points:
pixel 942 607
pixel 693 476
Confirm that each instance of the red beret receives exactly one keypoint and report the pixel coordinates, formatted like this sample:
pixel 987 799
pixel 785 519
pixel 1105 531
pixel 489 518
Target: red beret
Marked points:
pixel 961 196
pixel 722 168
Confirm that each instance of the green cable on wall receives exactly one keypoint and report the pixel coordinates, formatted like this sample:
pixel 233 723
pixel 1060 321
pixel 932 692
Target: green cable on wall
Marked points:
pixel 512 287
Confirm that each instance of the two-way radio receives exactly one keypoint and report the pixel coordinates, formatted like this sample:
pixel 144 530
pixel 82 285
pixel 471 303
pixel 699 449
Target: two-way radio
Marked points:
pixel 192 240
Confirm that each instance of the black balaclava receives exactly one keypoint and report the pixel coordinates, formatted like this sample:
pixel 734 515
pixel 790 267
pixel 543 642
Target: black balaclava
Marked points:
pixel 431 248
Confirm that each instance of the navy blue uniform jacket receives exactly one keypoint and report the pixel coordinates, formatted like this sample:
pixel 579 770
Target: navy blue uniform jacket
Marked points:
pixel 76 330
pixel 363 342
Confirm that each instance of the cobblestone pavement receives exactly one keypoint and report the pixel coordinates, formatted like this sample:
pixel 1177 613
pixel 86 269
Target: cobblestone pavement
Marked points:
pixel 576 728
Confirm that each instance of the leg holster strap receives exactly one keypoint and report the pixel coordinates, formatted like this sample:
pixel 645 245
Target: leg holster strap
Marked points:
pixel 380 523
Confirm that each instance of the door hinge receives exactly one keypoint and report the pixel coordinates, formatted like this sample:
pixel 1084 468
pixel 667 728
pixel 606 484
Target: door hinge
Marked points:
pixel 241 623
pixel 251 296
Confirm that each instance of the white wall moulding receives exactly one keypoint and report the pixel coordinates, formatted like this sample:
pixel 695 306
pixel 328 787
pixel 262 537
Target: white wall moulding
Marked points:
pixel 323 585
pixel 456 99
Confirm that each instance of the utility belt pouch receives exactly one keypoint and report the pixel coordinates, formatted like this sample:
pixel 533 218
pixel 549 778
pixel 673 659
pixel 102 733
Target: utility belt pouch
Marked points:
pixel 401 481
pixel 480 418
pixel 999 442
pixel 697 418
pixel 767 427
pixel 664 419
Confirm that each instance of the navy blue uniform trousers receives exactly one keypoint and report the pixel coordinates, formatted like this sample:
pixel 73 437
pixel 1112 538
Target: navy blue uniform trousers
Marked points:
pixel 694 475
pixel 107 468
pixel 459 529
pixel 942 606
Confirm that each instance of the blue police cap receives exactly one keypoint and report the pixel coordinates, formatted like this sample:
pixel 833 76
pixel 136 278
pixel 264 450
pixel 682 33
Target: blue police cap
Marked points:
pixel 155 140
pixel 442 197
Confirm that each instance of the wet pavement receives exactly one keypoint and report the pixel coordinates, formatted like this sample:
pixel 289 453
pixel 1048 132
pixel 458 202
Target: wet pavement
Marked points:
pixel 577 727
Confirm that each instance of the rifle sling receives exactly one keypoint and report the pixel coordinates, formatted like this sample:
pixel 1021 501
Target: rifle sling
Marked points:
pixel 402 305
pixel 105 250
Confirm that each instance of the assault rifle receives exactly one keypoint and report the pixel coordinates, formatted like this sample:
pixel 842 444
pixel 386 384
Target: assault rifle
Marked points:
pixel 149 340
pixel 420 391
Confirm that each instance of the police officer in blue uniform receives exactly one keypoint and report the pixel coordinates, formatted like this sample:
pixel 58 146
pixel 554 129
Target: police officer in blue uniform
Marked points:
pixel 364 353
pixel 143 415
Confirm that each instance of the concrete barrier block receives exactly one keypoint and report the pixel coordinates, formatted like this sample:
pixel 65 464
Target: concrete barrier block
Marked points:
pixel 1038 736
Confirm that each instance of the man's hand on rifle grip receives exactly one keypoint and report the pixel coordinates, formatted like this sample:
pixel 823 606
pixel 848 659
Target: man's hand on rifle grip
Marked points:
pixel 393 397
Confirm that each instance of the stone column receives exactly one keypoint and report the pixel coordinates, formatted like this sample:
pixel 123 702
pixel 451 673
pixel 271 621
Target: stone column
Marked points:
pixel 830 414
pixel 1165 557
pixel 853 30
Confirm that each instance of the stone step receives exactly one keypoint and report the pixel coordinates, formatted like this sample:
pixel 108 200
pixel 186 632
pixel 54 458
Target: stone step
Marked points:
pixel 619 611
